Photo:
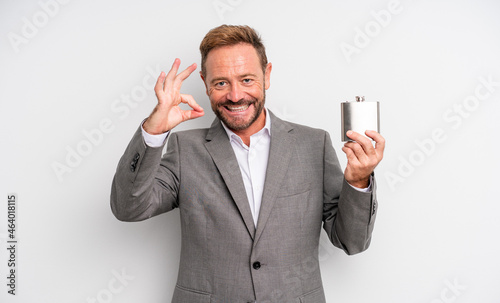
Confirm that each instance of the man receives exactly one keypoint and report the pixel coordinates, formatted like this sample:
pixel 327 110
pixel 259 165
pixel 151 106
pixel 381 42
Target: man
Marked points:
pixel 253 190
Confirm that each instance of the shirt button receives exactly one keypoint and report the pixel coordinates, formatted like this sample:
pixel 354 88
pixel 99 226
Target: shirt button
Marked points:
pixel 256 265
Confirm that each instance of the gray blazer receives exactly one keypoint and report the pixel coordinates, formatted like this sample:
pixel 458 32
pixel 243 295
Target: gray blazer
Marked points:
pixel 224 258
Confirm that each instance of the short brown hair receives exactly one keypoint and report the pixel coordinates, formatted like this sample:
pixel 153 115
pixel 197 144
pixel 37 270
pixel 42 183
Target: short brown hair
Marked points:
pixel 227 35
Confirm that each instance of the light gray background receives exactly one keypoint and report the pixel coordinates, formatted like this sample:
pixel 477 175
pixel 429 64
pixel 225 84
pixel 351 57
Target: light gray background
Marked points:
pixel 436 239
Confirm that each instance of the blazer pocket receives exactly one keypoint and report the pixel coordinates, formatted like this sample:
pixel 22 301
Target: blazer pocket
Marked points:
pixel 186 295
pixel 292 190
pixel 315 296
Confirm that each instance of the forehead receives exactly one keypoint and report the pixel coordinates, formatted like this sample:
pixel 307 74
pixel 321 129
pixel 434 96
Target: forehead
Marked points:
pixel 235 59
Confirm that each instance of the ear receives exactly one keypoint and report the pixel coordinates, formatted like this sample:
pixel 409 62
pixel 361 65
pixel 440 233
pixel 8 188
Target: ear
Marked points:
pixel 267 76
pixel 203 79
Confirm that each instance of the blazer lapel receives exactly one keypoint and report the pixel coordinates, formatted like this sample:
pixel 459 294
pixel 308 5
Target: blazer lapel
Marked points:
pixel 280 153
pixel 222 153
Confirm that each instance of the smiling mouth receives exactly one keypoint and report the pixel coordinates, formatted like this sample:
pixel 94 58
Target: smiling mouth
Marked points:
pixel 236 109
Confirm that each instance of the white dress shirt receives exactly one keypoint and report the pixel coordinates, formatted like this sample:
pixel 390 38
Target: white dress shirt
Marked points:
pixel 252 161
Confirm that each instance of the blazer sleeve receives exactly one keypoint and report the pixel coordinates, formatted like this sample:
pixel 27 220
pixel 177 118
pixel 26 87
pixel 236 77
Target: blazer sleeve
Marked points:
pixel 144 185
pixel 348 214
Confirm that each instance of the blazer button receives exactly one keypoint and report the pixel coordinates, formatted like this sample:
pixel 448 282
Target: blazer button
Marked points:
pixel 256 265
pixel 133 164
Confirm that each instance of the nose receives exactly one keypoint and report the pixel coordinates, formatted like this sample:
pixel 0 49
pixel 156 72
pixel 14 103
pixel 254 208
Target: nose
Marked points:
pixel 236 93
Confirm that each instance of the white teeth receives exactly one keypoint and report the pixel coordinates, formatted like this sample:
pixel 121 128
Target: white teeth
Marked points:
pixel 237 109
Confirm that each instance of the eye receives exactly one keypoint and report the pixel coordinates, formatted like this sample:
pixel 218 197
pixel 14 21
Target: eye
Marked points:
pixel 220 84
pixel 247 81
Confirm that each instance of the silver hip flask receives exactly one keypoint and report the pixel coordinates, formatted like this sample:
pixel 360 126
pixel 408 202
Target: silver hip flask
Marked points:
pixel 359 116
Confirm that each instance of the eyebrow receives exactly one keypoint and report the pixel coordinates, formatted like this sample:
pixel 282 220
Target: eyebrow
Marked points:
pixel 248 75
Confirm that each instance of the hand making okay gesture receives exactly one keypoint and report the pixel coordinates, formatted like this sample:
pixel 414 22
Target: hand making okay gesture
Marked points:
pixel 167 114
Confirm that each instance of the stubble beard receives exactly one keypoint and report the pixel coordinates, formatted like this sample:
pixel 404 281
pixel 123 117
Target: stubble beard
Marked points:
pixel 238 124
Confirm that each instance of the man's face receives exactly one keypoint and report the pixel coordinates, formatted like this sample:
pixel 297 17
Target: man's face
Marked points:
pixel 236 86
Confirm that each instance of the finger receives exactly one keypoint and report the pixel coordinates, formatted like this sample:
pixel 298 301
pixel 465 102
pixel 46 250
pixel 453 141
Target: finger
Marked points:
pixel 173 72
pixel 351 157
pixel 184 75
pixel 159 83
pixel 379 141
pixel 357 150
pixel 196 112
pixel 191 114
pixel 365 143
pixel 189 100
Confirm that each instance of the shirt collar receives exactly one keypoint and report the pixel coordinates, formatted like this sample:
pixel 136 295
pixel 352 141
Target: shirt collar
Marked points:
pixel 265 129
